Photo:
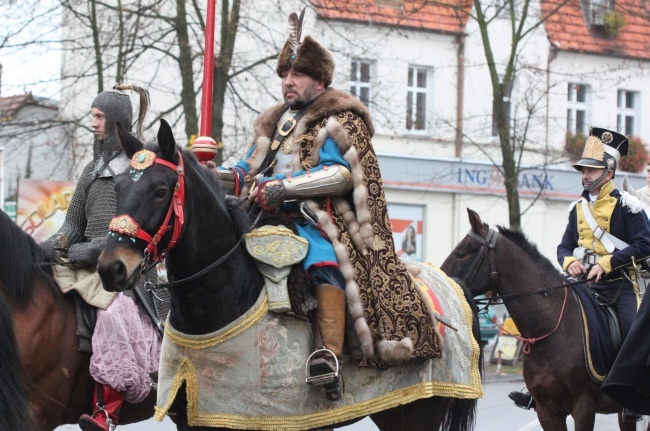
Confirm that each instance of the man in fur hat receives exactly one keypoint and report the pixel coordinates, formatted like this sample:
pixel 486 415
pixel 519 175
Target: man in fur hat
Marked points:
pixel 606 234
pixel 125 344
pixel 313 155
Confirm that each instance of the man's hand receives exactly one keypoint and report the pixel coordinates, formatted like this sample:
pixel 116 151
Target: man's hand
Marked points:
pixel 269 194
pixel 596 271
pixel 576 268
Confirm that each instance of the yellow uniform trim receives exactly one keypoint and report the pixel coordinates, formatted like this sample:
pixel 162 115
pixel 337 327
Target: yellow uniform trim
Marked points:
pixel 601 209
pixel 606 263
pixel 568 260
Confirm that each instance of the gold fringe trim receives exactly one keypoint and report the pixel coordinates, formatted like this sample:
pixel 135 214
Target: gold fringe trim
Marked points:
pixel 193 343
pixel 186 373
pixel 474 372
pixel 320 419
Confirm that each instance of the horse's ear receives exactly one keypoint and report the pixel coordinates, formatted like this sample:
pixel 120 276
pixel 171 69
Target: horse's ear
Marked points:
pixel 475 220
pixel 627 187
pixel 130 144
pixel 167 142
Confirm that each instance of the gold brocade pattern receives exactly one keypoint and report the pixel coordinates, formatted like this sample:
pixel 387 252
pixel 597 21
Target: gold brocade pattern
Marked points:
pixel 393 308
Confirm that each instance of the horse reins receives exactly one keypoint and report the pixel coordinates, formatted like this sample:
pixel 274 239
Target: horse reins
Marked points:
pixel 488 246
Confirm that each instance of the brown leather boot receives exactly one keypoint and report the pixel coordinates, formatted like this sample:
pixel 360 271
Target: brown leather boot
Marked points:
pixel 323 367
pixel 107 407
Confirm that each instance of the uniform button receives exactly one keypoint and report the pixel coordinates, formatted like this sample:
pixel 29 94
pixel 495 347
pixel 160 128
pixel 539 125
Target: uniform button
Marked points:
pixel 606 218
pixel 580 229
pixel 580 221
pixel 611 200
pixel 582 237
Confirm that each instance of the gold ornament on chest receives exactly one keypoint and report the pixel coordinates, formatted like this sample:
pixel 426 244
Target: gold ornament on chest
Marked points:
pixel 287 145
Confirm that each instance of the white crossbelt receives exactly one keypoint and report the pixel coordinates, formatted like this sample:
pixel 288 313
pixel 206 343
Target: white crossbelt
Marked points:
pixel 608 240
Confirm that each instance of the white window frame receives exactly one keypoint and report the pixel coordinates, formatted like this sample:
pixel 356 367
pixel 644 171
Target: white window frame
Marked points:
pixel 356 82
pixel 415 90
pixel 574 105
pixel 597 10
pixel 624 112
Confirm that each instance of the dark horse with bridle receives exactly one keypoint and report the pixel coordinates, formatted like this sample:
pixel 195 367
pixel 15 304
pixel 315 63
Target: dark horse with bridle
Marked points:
pixel 168 199
pixel 506 264
pixel 44 379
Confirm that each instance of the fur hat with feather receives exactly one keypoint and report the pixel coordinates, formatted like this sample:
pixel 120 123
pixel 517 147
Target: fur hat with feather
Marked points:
pixel 306 56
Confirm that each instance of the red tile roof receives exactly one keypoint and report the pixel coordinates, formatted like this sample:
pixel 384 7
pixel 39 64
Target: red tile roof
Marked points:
pixel 568 30
pixel 10 105
pixel 445 16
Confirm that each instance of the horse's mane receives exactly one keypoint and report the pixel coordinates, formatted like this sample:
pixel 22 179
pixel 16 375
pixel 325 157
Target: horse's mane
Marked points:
pixel 20 263
pixel 234 206
pixel 520 239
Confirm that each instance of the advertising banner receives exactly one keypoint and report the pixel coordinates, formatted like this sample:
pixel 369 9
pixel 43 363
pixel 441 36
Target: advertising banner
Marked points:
pixel 42 205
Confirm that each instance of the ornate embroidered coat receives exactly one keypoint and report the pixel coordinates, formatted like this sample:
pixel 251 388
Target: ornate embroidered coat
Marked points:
pixel 389 317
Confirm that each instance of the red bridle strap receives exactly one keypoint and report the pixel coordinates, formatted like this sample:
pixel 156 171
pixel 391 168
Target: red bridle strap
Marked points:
pixel 126 225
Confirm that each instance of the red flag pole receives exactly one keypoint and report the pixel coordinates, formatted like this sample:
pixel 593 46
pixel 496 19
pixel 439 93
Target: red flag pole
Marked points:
pixel 204 147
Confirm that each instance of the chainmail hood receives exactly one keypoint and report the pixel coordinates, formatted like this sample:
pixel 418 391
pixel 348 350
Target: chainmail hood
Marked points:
pixel 116 106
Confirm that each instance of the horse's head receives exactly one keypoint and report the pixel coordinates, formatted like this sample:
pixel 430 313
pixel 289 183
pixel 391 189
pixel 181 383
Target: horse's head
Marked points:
pixel 473 259
pixel 643 194
pixel 150 196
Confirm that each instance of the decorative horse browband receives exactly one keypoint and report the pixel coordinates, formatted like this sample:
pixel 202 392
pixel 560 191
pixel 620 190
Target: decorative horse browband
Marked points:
pixel 126 225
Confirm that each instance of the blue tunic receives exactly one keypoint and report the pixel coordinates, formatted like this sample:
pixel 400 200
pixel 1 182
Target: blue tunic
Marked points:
pixel 320 252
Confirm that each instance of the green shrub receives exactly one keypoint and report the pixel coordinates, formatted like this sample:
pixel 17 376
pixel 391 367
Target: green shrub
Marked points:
pixel 614 23
pixel 637 156
pixel 574 145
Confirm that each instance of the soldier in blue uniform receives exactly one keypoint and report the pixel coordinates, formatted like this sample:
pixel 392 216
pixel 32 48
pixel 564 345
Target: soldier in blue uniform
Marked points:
pixel 607 232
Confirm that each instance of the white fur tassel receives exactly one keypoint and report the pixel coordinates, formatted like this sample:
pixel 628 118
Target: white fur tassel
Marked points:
pixel 395 351
pixel 632 202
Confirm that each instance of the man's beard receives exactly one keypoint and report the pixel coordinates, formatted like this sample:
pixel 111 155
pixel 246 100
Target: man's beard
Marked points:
pixel 310 94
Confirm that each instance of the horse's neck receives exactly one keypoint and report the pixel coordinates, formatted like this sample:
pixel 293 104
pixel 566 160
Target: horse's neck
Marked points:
pixel 222 295
pixel 532 310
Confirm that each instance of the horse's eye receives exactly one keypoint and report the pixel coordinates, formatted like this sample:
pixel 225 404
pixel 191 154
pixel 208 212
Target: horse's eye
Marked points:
pixel 461 254
pixel 161 193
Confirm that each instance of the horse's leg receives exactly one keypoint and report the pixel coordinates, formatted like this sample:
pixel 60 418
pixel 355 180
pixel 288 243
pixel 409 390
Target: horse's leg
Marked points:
pixel 421 415
pixel 628 426
pixel 584 413
pixel 551 420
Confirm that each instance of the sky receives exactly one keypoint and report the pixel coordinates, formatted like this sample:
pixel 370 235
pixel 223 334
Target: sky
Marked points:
pixel 30 48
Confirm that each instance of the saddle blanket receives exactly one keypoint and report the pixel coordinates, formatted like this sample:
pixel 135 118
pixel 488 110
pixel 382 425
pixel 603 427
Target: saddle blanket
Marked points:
pixel 599 349
pixel 251 374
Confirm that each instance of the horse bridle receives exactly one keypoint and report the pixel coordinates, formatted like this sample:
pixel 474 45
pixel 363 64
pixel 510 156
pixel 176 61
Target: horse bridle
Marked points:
pixel 488 245
pixel 125 224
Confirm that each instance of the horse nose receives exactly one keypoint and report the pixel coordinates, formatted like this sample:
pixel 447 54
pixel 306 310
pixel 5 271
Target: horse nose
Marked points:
pixel 113 274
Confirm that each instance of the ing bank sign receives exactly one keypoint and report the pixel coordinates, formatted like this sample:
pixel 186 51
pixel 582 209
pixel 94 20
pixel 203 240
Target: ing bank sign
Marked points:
pixel 469 177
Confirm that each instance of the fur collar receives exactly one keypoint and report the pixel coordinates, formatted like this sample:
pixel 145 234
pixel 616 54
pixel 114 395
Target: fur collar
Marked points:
pixel 331 102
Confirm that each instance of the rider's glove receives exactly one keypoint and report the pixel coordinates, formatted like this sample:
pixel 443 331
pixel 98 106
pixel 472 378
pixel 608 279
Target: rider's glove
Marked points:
pixel 271 194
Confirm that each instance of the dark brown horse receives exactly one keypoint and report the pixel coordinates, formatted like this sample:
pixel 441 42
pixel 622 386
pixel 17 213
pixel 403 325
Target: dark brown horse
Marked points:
pixel 505 263
pixel 43 377
pixel 217 283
